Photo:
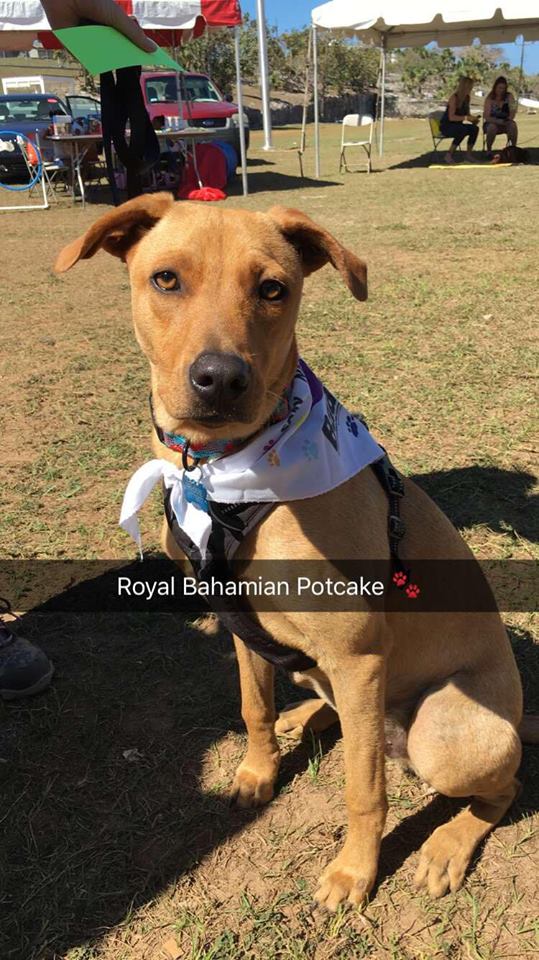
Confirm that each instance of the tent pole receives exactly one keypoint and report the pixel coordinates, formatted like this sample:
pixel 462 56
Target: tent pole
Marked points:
pixel 316 117
pixel 264 73
pixel 521 71
pixel 243 151
pixel 306 95
pixel 383 95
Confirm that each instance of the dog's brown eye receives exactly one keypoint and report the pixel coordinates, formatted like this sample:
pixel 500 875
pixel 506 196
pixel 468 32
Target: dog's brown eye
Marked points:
pixel 166 280
pixel 272 290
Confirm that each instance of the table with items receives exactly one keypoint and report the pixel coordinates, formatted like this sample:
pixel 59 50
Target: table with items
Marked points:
pixel 78 146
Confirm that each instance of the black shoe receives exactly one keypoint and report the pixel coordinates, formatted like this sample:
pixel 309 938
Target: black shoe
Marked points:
pixel 24 668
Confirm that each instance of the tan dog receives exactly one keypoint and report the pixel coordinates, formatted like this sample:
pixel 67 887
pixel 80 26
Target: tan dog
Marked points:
pixel 228 284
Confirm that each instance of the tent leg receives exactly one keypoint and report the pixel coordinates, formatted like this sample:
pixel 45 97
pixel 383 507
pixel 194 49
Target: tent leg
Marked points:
pixel 264 73
pixel 303 139
pixel 243 150
pixel 521 70
pixel 316 117
pixel 383 95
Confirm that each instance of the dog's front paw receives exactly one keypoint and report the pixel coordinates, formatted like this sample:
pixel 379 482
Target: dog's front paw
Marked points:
pixel 442 862
pixel 342 882
pixel 252 788
pixel 288 724
pixel 298 719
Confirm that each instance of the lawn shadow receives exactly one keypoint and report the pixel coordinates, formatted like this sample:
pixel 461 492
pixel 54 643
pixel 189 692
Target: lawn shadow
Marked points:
pixel 501 499
pixel 267 181
pixel 432 157
pixel 107 797
pixel 259 182
pixel 257 162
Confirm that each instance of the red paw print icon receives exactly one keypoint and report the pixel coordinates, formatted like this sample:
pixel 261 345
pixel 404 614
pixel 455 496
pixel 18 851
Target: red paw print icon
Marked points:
pixel 412 591
pixel 399 579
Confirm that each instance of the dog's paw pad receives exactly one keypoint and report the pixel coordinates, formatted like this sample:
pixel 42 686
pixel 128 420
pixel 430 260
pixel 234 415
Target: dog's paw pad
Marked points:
pixel 342 885
pixel 251 789
pixel 442 864
pixel 289 724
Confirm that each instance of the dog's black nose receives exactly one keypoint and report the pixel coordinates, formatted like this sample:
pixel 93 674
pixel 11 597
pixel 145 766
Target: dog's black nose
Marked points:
pixel 220 378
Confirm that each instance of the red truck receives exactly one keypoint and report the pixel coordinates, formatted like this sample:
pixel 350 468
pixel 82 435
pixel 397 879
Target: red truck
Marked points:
pixel 203 106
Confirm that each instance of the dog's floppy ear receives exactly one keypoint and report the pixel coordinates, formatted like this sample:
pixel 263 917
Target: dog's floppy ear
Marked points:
pixel 117 231
pixel 317 246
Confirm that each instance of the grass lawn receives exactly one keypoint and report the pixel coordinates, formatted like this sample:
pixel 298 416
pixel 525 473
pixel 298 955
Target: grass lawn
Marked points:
pixel 118 842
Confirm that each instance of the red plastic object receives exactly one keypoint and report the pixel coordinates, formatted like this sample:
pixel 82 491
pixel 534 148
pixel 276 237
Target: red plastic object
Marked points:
pixel 211 163
pixel 207 193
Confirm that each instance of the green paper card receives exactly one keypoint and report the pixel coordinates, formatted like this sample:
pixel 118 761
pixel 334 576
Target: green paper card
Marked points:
pixel 100 49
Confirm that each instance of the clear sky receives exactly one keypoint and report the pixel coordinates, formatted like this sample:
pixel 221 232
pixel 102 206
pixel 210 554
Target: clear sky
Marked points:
pixel 297 13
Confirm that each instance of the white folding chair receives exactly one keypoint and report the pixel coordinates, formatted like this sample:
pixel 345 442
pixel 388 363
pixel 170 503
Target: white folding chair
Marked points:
pixel 356 120
pixel 52 170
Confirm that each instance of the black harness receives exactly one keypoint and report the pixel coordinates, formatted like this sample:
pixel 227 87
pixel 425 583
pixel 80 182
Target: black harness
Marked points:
pixel 231 523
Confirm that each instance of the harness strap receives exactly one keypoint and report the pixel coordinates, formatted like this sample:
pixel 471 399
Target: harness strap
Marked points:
pixel 226 520
pixel 238 621
pixel 393 486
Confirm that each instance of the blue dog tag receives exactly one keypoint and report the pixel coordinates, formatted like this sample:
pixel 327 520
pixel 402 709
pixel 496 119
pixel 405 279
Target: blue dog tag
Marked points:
pixel 195 493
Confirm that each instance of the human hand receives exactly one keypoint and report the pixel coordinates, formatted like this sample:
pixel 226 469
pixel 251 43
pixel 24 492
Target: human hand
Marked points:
pixel 69 13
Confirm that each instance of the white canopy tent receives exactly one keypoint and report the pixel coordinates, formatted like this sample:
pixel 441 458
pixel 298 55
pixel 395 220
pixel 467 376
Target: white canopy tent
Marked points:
pixel 450 23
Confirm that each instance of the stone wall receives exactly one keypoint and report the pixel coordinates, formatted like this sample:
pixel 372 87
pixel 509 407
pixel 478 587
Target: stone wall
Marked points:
pixel 399 103
pixel 333 109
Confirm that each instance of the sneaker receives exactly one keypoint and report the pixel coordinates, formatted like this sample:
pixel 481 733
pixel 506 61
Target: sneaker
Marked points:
pixel 449 158
pixel 24 668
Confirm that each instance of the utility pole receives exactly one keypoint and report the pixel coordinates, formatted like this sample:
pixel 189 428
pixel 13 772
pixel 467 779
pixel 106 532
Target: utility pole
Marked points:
pixel 264 73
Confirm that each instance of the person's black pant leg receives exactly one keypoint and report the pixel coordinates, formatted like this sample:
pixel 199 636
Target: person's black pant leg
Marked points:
pixel 459 130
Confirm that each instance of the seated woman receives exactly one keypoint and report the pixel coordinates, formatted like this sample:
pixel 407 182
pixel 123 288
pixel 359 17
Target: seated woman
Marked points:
pixel 499 112
pixel 457 122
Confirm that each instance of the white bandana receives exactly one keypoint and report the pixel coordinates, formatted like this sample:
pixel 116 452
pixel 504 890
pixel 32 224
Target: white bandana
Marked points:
pixel 316 448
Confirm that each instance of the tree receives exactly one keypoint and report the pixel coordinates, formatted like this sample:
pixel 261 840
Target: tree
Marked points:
pixel 213 53
pixel 429 69
pixel 424 68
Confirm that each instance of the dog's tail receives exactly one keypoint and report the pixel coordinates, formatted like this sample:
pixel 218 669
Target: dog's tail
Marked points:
pixel 529 728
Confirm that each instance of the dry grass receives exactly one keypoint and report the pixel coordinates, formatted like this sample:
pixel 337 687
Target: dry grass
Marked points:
pixel 118 842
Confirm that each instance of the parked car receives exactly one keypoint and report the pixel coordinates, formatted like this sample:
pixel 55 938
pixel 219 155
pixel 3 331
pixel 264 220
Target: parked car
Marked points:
pixel 203 106
pixel 27 113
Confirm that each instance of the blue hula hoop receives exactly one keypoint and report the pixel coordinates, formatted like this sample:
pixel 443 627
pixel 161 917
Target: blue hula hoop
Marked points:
pixel 37 175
